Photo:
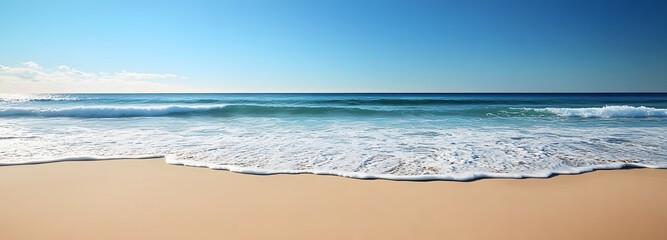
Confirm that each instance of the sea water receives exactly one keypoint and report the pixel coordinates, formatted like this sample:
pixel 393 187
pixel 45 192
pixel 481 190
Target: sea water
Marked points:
pixel 390 136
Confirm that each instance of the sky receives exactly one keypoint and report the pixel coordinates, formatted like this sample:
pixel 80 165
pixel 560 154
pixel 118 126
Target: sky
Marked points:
pixel 333 46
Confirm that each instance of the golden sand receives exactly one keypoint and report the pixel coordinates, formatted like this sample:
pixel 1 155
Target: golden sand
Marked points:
pixel 148 199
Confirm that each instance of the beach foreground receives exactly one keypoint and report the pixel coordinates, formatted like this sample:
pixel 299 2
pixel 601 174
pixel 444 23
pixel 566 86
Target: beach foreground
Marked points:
pixel 148 199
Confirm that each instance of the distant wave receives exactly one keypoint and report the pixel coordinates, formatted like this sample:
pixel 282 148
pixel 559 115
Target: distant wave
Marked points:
pixel 153 111
pixel 420 102
pixel 468 102
pixel 319 102
pixel 608 112
pixel 331 101
pixel 346 102
pixel 243 110
pixel 101 112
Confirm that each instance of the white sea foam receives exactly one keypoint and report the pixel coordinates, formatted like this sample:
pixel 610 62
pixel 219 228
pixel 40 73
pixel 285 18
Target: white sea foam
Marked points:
pixel 608 112
pixel 465 176
pixel 398 149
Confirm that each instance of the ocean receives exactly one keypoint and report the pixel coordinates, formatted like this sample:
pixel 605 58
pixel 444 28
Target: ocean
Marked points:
pixel 388 136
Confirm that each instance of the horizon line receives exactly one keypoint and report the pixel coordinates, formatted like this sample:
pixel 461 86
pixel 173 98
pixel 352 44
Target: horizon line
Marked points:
pixel 536 92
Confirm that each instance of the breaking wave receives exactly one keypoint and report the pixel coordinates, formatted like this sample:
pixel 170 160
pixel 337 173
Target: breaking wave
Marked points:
pixel 240 110
pixel 609 112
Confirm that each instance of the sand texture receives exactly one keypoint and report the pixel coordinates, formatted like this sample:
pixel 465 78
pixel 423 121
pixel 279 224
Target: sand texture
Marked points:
pixel 148 199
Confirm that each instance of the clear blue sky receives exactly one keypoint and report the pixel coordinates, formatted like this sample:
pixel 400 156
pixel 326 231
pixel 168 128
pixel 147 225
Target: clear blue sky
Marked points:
pixel 348 46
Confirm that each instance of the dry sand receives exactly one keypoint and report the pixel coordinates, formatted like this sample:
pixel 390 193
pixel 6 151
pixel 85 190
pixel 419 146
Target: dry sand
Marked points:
pixel 148 199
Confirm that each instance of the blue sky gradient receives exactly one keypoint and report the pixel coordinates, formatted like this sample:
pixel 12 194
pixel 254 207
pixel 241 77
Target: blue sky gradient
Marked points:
pixel 347 46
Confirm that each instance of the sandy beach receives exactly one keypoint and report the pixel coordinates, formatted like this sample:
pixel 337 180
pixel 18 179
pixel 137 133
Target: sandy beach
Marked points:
pixel 148 199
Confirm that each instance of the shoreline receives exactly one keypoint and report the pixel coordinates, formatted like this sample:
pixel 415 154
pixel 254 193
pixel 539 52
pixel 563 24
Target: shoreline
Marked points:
pixel 457 177
pixel 149 199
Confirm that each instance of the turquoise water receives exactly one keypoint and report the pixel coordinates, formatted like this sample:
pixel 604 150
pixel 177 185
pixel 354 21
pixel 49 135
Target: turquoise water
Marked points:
pixel 393 136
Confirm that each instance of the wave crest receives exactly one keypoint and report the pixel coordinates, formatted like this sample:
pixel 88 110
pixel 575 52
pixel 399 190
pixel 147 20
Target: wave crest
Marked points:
pixel 243 110
pixel 608 112
pixel 102 112
pixel 156 111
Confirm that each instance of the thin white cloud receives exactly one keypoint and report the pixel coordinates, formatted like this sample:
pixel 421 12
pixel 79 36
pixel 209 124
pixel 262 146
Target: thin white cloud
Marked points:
pixel 31 77
pixel 133 75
